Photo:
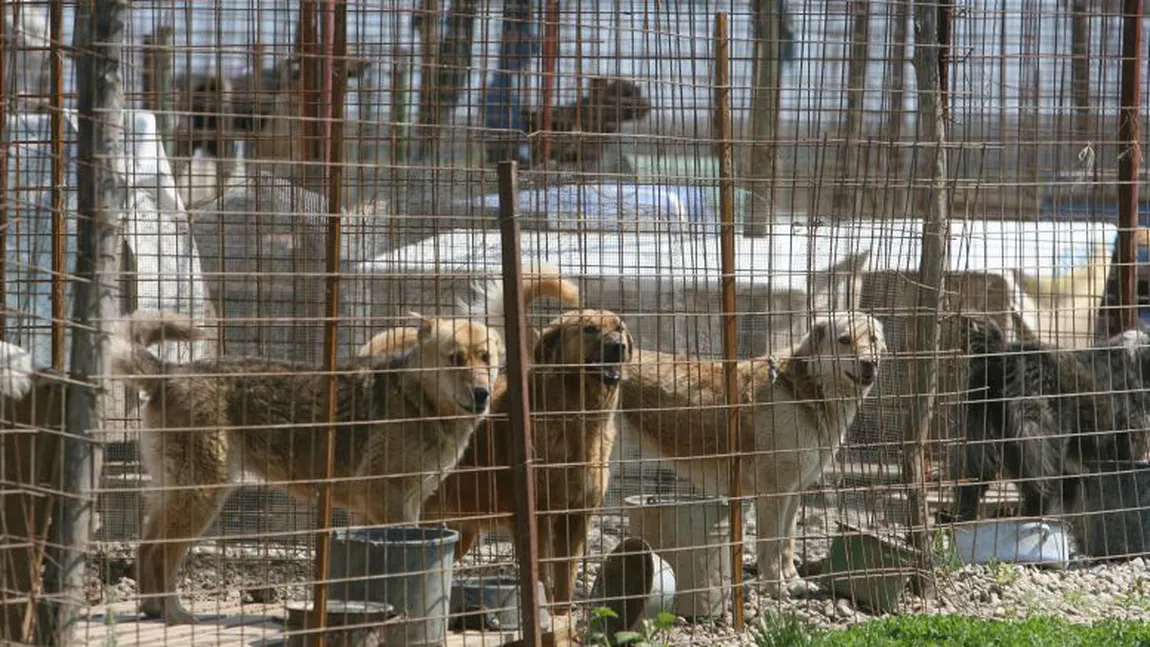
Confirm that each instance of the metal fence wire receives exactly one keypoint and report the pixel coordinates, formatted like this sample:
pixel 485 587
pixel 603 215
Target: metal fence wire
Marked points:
pixel 508 322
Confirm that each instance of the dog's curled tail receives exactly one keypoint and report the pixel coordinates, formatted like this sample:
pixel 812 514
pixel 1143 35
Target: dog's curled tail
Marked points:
pixel 984 336
pixel 540 280
pixel 1086 281
pixel 131 337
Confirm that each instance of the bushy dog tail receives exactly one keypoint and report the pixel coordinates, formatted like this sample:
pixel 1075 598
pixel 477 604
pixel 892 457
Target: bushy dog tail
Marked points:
pixel 1086 281
pixel 15 371
pixel 984 336
pixel 541 280
pixel 131 358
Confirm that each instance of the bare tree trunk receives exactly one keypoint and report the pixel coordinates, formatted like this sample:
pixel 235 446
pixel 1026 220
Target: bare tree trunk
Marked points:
pixel 895 198
pixel 1080 69
pixel 428 76
pixel 847 200
pixel 765 115
pixel 1030 119
pixel 157 82
pixel 932 266
pixel 95 302
pixel 453 64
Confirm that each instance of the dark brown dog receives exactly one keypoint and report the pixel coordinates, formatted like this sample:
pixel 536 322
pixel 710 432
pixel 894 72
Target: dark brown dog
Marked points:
pixel 578 129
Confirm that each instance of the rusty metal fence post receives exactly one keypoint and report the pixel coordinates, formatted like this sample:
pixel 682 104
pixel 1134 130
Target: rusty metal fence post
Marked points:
pixel 523 458
pixel 335 81
pixel 730 330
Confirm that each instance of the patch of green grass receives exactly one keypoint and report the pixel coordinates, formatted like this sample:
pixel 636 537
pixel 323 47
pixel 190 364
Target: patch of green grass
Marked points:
pixel 954 631
pixel 1005 575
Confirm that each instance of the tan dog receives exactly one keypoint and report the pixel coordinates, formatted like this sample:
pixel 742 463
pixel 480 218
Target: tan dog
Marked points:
pixel 542 281
pixel 802 409
pixel 411 415
pixel 578 365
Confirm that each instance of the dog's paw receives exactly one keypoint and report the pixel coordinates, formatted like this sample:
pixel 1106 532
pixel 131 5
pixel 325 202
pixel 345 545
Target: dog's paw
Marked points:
pixel 170 609
pixel 800 588
pixel 788 588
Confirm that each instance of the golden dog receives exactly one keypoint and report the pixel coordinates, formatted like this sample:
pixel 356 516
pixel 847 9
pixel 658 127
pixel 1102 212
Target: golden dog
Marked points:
pixel 207 420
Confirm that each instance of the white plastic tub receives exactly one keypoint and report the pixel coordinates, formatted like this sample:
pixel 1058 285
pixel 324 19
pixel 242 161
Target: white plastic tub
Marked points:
pixel 1013 540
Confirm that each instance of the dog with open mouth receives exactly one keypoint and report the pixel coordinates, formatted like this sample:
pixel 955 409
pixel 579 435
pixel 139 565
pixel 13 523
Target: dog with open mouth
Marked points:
pixel 574 387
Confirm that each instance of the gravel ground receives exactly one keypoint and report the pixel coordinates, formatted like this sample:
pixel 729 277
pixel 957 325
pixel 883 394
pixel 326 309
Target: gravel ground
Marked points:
pixel 1081 593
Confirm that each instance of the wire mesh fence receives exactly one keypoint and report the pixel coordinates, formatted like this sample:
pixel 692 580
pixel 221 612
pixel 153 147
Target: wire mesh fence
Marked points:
pixel 825 310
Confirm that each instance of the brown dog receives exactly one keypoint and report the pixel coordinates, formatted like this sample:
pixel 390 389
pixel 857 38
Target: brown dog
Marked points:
pixel 411 415
pixel 578 366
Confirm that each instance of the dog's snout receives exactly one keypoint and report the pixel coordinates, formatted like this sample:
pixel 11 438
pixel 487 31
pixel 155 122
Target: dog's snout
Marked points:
pixel 614 351
pixel 869 369
pixel 480 396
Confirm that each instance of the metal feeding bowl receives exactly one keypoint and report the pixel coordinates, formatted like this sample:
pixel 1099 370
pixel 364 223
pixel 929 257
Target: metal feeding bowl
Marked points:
pixel 490 603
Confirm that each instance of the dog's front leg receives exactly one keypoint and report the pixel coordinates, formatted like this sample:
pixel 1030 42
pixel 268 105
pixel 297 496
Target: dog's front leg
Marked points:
pixel 396 502
pixel 569 536
pixel 769 543
pixel 777 516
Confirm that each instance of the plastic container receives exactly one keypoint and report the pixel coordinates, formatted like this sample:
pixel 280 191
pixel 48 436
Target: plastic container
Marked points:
pixel 691 532
pixel 1012 540
pixel 407 567
pixel 635 583
pixel 868 570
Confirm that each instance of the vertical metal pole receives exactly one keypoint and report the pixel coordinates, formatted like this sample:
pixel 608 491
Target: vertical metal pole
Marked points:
pixel 550 54
pixel 101 195
pixel 730 331
pixel 1129 138
pixel 335 58
pixel 523 459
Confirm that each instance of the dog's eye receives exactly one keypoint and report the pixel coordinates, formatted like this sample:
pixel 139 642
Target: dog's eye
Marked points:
pixel 458 359
pixel 485 357
pixel 845 340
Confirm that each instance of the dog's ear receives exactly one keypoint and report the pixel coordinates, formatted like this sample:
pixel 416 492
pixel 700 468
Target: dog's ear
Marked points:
pixel 423 322
pixel 597 87
pixel 819 331
pixel 840 286
pixel 549 348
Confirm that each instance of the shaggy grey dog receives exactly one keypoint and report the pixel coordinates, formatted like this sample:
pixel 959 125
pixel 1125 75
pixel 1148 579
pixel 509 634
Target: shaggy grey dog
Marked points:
pixel 1042 416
